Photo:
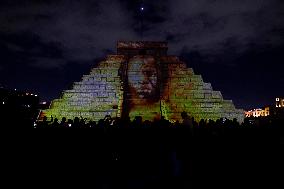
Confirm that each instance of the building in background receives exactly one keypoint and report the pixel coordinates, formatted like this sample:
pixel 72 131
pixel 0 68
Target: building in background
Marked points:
pixel 277 111
pixel 279 102
pixel 259 112
pixel 274 111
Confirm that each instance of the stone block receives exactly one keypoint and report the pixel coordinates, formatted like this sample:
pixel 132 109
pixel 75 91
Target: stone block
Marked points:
pixel 198 95
pixel 208 95
pixel 216 94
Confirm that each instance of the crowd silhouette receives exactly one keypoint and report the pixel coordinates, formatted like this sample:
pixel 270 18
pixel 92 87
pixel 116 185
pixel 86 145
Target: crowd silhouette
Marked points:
pixel 157 154
pixel 120 152
pixel 188 122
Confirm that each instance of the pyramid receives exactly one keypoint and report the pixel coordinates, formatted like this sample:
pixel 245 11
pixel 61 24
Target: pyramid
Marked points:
pixel 142 80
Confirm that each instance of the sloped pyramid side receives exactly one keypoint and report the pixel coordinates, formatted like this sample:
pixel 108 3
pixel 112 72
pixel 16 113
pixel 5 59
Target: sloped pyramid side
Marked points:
pixel 98 94
pixel 186 91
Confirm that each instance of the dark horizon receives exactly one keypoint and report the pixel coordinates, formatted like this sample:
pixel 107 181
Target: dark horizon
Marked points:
pixel 236 46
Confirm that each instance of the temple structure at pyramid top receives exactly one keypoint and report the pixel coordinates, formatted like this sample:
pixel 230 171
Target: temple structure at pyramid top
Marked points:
pixel 142 48
pixel 142 80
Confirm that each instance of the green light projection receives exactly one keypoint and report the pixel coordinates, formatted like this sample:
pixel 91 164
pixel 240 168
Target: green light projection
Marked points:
pixel 98 94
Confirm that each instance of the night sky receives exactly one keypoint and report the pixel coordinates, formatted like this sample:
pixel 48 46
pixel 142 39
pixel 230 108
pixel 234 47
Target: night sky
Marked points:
pixel 238 46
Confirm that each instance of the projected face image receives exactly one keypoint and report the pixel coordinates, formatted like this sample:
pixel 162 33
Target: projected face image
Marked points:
pixel 142 78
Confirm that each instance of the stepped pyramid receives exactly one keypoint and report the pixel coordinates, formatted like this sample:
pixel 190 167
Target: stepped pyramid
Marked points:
pixel 142 80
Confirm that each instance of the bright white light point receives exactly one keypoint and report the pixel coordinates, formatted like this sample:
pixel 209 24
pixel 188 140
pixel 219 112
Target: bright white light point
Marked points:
pixel 142 8
pixel 35 95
